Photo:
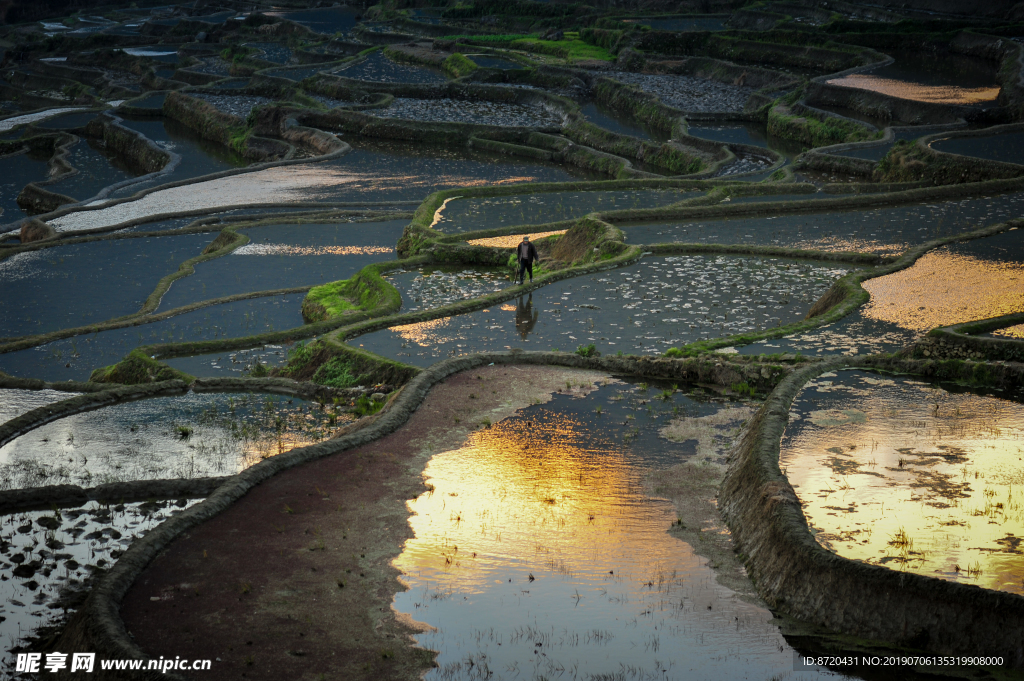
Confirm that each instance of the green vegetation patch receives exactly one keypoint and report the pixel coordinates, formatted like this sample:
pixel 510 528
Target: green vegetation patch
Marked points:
pixel 137 368
pixel 458 65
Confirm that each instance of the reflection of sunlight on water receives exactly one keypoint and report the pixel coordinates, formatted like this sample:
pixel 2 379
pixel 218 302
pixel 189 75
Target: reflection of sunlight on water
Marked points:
pixel 273 185
pixel 288 249
pixel 537 550
pixel 1010 332
pixel 898 473
pixel 945 288
pixel 423 333
pixel 510 241
pixel 918 92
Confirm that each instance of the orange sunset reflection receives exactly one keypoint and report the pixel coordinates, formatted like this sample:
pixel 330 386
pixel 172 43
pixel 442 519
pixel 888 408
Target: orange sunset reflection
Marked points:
pixel 944 288
pixel 918 92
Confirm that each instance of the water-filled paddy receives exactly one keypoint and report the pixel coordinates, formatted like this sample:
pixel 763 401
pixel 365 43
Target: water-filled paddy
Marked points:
pixel 479 112
pixel 187 436
pixel 151 102
pixel 1016 332
pixel 609 119
pixel 14 121
pixel 14 403
pixel 924 77
pixel 956 283
pixel 887 231
pixel 688 93
pixel 852 335
pixel 52 569
pixel 288 255
pixel 373 172
pixel 894 471
pixel 17 170
pixel 1007 147
pixel 539 550
pixel 198 156
pixel 232 363
pixel 641 309
pixel 67 286
pixel 377 68
pixel 433 287
pixel 324 20
pixel 465 215
pixel 67 121
pixel 684 23
pixel 76 357
pixel 96 168
pixel 295 74
pixel 489 62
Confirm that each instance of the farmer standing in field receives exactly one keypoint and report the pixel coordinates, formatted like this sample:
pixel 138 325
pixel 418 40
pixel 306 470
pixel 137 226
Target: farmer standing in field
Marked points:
pixel 526 253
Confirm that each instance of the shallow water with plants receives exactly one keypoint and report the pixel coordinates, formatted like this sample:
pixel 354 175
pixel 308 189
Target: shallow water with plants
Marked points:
pixel 54 555
pixel 887 231
pixel 641 309
pixel 541 551
pixel 915 476
pixel 194 435
pixel 466 215
pixel 68 286
pixel 431 287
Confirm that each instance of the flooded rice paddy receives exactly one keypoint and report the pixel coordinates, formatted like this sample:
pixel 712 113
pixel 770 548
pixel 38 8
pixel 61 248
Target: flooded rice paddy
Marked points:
pixel 852 335
pixel 75 358
pixel 53 556
pixel 466 215
pixel 428 288
pixel 479 112
pixel 616 122
pixel 288 255
pixel 684 23
pixel 188 436
pixel 14 403
pixel 923 77
pixel 918 477
pixel 540 551
pixel 97 169
pixel 887 231
pixel 956 283
pixel 383 172
pixel 641 309
pixel 1007 147
pixel 17 170
pixel 688 93
pixel 68 286
pixel 377 68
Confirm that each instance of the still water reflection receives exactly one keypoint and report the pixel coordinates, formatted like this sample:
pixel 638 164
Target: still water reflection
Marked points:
pixel 538 554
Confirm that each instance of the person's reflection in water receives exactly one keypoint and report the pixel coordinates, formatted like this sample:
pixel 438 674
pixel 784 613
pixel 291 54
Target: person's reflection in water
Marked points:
pixel 526 316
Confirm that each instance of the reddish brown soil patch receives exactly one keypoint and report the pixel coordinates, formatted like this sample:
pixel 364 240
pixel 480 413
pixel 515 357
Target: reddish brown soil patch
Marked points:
pixel 295 580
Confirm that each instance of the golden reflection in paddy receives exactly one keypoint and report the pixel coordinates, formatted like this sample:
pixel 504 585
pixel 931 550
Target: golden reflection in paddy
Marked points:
pixel 510 491
pixel 288 249
pixel 510 241
pixel 537 549
pixel 918 92
pixel 1010 332
pixel 424 333
pixel 914 478
pixel 944 288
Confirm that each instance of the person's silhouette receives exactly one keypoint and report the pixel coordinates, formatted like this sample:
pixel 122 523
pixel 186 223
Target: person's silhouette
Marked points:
pixel 526 316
